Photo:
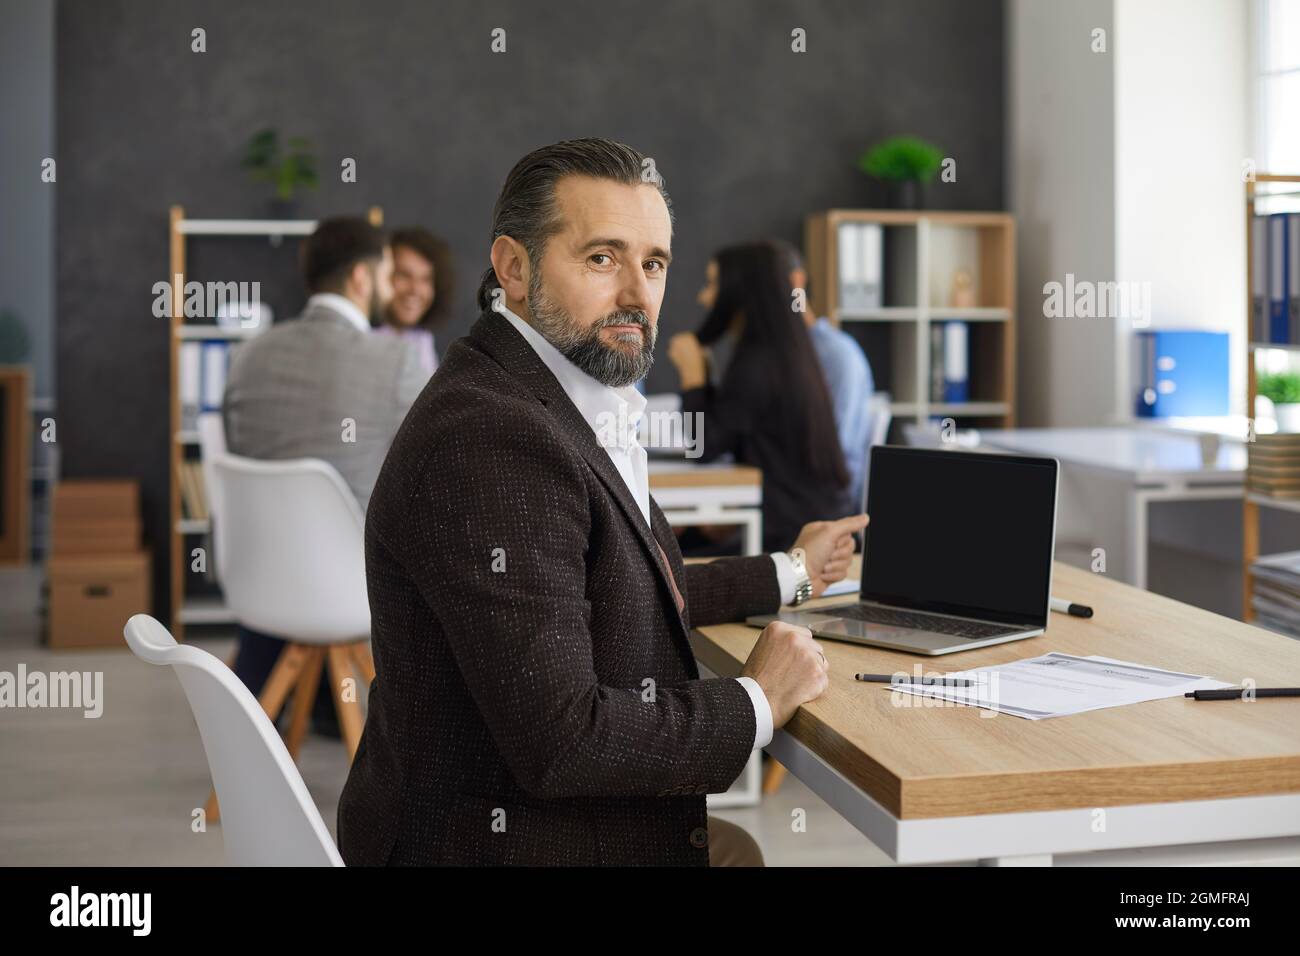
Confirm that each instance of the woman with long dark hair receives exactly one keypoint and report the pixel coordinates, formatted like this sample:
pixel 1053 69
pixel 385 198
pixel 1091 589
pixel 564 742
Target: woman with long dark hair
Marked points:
pixel 772 409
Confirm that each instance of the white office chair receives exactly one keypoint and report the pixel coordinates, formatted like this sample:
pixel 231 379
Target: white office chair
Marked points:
pixel 294 567
pixel 881 416
pixel 269 817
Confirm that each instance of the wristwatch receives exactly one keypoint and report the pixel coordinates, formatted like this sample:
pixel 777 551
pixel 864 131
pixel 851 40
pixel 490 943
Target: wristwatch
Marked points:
pixel 803 587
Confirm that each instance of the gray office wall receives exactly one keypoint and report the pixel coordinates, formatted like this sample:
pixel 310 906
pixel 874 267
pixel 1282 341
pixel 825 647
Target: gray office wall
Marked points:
pixel 749 136
pixel 27 203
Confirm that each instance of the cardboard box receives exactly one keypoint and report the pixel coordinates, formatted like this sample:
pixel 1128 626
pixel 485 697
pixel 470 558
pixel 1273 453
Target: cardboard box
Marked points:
pixel 95 517
pixel 93 596
pixel 96 498
pixel 95 536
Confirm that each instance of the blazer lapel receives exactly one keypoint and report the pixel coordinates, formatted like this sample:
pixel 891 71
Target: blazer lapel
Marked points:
pixel 495 334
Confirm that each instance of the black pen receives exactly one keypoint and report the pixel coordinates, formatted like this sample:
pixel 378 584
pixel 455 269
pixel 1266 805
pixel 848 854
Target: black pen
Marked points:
pixel 931 681
pixel 1235 693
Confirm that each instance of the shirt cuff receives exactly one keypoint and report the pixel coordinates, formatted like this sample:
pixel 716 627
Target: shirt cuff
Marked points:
pixel 785 579
pixel 762 712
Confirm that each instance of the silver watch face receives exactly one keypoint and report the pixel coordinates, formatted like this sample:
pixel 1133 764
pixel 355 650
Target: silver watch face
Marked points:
pixel 800 561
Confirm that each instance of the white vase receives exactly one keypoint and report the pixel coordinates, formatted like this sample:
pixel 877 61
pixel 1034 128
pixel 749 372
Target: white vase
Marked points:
pixel 1288 416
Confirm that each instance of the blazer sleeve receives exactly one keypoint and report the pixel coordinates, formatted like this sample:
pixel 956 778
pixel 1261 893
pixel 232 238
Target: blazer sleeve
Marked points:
pixel 731 589
pixel 504 571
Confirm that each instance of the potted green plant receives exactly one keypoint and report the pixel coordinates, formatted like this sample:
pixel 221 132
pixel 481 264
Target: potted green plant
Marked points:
pixel 288 169
pixel 1283 390
pixel 906 164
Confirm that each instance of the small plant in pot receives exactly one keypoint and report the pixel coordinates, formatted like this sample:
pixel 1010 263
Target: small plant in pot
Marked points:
pixel 288 169
pixel 906 164
pixel 1283 390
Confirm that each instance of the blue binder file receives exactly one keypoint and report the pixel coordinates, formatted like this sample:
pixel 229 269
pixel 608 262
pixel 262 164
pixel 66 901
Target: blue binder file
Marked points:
pixel 1279 280
pixel 1182 373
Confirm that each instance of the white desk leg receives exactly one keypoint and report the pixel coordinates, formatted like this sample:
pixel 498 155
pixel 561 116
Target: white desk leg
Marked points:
pixel 749 519
pixel 1140 518
pixel 747 791
pixel 754 532
pixel 1137 538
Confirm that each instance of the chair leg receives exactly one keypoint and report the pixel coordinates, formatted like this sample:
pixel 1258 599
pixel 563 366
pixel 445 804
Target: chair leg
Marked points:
pixel 364 662
pixel 304 695
pixel 287 670
pixel 773 775
pixel 349 712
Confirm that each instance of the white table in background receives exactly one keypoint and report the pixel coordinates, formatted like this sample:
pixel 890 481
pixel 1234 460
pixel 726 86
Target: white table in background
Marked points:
pixel 694 494
pixel 1148 464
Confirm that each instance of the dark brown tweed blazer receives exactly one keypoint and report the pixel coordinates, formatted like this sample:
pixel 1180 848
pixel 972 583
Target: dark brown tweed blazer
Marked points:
pixel 536 698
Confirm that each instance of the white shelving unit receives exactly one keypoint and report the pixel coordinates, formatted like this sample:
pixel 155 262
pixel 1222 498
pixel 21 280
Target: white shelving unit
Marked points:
pixel 192 609
pixel 1252 501
pixel 921 250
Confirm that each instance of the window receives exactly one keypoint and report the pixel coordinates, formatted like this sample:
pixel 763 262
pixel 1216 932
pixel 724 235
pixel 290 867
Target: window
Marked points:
pixel 1277 86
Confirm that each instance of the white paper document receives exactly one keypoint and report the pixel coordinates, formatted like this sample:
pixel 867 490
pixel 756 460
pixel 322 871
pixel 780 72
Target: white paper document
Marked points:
pixel 1056 684
pixel 848 585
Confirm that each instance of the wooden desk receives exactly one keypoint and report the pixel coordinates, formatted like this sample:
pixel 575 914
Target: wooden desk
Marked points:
pixel 692 494
pixel 944 783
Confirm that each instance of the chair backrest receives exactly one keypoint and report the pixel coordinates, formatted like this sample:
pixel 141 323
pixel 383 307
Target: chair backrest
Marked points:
pixel 294 543
pixel 267 816
pixel 880 416
pixel 212 445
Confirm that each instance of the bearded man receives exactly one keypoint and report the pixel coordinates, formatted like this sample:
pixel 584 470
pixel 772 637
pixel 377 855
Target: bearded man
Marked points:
pixel 536 699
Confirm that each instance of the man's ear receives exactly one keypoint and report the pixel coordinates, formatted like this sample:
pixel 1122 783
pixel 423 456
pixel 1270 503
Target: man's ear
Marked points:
pixel 361 280
pixel 510 262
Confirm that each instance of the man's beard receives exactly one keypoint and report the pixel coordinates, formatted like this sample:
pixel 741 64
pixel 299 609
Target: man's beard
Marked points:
pixel 608 364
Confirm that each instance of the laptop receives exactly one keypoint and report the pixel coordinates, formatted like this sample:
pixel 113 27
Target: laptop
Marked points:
pixel 958 553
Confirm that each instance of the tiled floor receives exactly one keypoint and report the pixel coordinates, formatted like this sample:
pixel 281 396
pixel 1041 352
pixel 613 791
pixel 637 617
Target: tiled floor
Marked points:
pixel 121 789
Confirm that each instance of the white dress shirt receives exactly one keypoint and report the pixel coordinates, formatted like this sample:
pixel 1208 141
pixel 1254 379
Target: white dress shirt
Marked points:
pixel 613 414
pixel 343 305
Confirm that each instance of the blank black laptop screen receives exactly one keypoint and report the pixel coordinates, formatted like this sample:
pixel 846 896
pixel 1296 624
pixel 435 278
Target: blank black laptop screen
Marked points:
pixel 960 533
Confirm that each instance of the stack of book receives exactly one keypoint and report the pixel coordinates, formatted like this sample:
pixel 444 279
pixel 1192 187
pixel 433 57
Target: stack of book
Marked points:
pixel 1273 465
pixel 194 497
pixel 1276 595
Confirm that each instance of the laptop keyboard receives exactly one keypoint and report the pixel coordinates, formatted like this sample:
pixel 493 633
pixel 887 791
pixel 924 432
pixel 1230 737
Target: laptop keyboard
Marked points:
pixel 920 621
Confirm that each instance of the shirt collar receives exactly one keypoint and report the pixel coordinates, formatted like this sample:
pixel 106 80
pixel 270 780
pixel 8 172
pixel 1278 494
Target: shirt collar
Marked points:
pixel 612 413
pixel 343 305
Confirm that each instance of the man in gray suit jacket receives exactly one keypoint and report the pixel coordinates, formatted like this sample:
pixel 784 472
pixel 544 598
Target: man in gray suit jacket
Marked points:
pixel 324 387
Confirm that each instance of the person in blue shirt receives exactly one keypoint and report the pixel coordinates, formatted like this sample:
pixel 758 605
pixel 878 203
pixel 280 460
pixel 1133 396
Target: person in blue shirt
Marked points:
pixel 848 377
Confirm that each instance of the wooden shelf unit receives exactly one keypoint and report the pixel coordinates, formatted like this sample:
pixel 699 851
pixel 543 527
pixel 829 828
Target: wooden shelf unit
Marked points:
pixel 916 295
pixel 1251 502
pixel 204 609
